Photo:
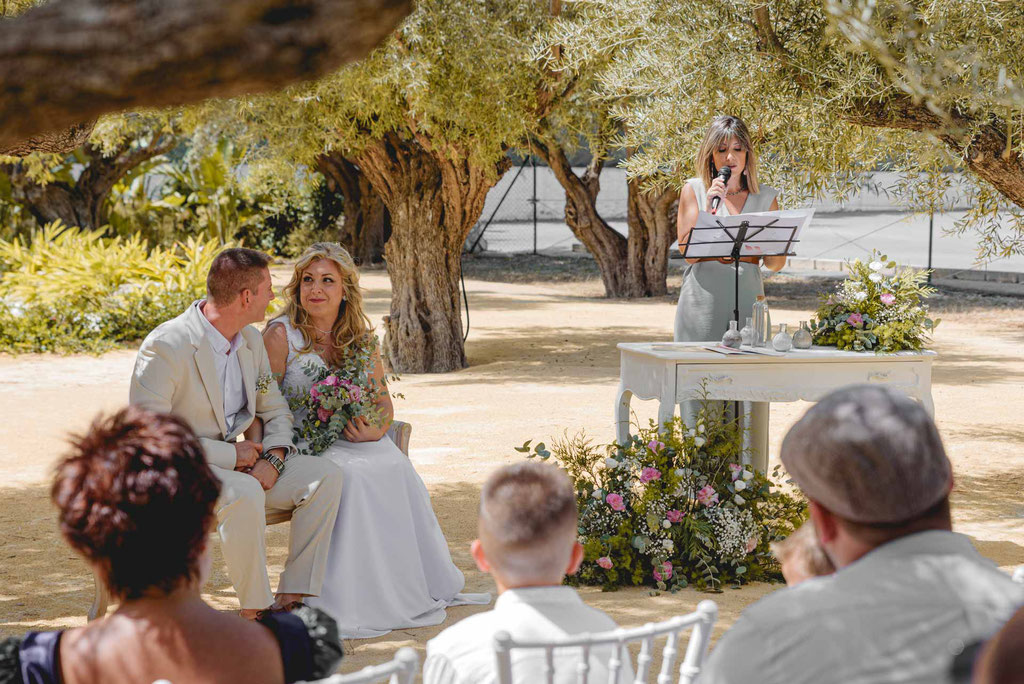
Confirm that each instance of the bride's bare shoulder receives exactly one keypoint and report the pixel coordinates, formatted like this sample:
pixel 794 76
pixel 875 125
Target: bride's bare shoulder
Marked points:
pixel 275 339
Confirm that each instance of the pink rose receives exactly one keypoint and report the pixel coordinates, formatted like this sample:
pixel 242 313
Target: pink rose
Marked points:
pixel 707 496
pixel 752 544
pixel 648 474
pixel 313 392
pixel 888 298
pixel 355 393
pixel 655 446
pixel 605 562
pixel 665 573
pixel 675 516
pixel 736 471
pixel 324 415
pixel 855 319
pixel 615 501
pixel 332 380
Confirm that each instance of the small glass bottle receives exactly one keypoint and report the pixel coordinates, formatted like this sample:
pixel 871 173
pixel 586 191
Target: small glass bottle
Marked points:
pixel 802 338
pixel 761 334
pixel 747 333
pixel 732 338
pixel 782 342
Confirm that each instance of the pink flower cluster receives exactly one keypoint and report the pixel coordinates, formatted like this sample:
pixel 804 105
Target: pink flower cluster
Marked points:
pixel 605 562
pixel 855 319
pixel 707 496
pixel 736 471
pixel 655 446
pixel 648 474
pixel 675 516
pixel 615 501
pixel 665 573
pixel 332 386
pixel 888 298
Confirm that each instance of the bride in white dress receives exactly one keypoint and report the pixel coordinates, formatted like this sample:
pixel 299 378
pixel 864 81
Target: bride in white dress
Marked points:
pixel 389 565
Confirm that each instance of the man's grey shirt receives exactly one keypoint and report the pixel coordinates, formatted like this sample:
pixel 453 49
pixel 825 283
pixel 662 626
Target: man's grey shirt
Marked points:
pixel 901 613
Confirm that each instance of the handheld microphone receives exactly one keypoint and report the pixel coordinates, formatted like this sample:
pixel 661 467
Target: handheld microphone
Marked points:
pixel 724 173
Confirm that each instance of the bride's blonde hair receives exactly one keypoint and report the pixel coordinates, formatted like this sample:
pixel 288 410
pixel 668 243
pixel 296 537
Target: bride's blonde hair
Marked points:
pixel 352 324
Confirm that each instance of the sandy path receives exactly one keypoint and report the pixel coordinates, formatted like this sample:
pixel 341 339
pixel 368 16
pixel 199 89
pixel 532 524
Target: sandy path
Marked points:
pixel 542 360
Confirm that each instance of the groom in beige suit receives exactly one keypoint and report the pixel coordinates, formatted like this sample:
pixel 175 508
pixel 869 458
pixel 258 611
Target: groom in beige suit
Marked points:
pixel 209 367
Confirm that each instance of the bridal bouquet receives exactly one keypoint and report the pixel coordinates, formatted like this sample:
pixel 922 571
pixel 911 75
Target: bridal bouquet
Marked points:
pixel 872 311
pixel 338 394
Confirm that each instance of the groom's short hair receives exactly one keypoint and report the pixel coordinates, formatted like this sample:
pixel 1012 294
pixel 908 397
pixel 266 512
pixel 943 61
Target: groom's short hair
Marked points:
pixel 234 270
pixel 528 522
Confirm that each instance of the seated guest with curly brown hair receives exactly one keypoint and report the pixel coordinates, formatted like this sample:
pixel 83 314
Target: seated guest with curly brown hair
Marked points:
pixel 136 498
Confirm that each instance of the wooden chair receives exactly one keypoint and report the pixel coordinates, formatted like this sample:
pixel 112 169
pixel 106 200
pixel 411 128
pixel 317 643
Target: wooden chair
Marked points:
pixel 400 670
pixel 701 621
pixel 399 433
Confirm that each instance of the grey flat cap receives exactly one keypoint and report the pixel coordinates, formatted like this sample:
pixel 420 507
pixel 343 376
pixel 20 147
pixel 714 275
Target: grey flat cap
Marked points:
pixel 870 455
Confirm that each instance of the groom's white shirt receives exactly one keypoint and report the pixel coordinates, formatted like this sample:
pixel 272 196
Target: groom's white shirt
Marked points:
pixel 228 369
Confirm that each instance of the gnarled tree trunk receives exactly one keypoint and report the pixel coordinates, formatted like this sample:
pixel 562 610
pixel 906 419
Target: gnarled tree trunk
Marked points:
pixel 606 244
pixel 652 229
pixel 366 226
pixel 434 197
pixel 82 203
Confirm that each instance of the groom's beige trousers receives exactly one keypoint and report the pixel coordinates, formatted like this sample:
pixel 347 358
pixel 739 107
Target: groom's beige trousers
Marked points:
pixel 311 488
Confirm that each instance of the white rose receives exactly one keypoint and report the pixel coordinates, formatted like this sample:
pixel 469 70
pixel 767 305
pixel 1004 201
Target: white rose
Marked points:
pixel 875 265
pixel 611 463
pixel 699 441
pixel 739 500
pixel 747 475
pixel 667 544
pixel 666 524
pixel 740 485
pixel 875 277
pixel 860 296
pixel 598 494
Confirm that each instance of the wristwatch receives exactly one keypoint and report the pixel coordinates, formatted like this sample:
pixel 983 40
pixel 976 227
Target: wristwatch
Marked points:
pixel 274 461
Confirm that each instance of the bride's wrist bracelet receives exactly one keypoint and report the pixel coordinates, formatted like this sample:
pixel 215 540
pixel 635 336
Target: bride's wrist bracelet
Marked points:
pixel 274 461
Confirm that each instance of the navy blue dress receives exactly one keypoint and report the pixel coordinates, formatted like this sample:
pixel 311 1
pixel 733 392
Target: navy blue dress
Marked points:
pixel 308 639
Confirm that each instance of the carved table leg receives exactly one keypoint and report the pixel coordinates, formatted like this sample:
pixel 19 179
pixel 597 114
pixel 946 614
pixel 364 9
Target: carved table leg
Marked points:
pixel 622 415
pixel 759 434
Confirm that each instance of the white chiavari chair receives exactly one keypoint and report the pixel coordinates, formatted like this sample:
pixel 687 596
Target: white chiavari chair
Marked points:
pixel 700 623
pixel 400 670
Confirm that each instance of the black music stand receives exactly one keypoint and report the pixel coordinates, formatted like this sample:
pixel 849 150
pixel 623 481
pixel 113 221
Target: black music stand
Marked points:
pixel 744 234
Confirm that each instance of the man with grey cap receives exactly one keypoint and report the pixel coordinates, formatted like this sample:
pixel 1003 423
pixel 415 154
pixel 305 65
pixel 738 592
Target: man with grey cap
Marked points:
pixel 908 594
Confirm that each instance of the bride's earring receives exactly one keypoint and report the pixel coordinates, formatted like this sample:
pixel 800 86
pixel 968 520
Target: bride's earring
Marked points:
pixel 344 305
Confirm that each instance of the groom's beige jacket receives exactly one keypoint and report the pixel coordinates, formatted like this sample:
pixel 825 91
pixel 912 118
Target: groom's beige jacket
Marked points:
pixel 175 372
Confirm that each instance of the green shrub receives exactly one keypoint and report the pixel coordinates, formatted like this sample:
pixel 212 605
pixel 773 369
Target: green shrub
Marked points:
pixel 68 290
pixel 674 507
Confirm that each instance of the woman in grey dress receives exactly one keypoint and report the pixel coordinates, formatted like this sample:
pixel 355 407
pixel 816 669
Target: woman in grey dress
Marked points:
pixel 706 298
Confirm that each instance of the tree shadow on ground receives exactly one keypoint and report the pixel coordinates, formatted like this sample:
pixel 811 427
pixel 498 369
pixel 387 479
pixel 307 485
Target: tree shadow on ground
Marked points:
pixel 959 368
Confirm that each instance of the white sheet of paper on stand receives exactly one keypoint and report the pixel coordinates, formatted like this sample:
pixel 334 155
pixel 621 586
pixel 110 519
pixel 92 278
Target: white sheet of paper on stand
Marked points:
pixel 713 240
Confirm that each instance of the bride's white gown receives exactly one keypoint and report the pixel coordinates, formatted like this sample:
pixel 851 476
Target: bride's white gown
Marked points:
pixel 389 565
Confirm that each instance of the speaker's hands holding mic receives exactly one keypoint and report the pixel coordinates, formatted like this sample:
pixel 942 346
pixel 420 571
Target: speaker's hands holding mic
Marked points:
pixel 717 189
pixel 716 193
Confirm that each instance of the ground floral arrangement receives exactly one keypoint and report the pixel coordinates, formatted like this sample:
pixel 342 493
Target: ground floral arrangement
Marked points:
pixel 674 507
pixel 871 311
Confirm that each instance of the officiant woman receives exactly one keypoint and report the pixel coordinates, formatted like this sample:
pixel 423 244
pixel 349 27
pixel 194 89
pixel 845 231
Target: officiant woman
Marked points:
pixel 706 299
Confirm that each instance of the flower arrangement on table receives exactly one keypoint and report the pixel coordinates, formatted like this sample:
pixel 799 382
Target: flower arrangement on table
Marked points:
pixel 338 394
pixel 674 507
pixel 871 311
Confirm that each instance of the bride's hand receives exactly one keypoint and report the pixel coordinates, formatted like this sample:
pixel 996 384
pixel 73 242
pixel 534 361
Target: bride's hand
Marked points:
pixel 360 430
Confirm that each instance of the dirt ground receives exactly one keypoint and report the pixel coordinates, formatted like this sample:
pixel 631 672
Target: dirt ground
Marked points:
pixel 542 360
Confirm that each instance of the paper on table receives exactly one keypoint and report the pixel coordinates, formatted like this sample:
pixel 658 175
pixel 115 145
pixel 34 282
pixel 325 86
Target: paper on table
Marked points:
pixel 711 240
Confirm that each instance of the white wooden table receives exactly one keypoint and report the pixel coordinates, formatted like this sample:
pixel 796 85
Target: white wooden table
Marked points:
pixel 672 372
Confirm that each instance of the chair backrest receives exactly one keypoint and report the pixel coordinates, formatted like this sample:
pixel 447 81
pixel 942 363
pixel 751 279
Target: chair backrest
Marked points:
pixel 702 621
pixel 1018 575
pixel 400 670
